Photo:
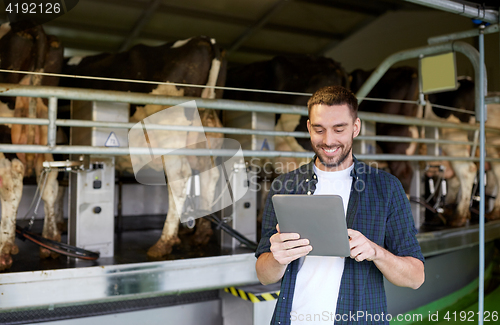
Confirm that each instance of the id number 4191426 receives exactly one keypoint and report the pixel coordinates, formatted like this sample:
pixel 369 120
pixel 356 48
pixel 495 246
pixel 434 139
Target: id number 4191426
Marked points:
pixel 471 316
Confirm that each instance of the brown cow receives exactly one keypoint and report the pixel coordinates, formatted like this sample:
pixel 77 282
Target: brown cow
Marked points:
pixel 194 61
pixel 25 47
pixel 400 84
pixel 304 74
pixel 307 74
pixel 460 174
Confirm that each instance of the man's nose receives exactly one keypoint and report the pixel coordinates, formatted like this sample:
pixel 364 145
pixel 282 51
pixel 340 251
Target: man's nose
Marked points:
pixel 330 138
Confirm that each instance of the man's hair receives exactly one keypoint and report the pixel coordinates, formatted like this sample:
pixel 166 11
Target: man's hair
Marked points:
pixel 334 95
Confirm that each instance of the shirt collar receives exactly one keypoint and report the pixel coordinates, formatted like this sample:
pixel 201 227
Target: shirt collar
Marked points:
pixel 354 171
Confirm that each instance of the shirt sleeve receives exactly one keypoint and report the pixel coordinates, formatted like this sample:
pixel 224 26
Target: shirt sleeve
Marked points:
pixel 400 238
pixel 268 223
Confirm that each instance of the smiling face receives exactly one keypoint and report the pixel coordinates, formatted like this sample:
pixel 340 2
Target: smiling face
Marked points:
pixel 332 130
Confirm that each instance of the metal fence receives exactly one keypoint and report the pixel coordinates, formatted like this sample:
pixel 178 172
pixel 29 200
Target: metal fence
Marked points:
pixel 55 93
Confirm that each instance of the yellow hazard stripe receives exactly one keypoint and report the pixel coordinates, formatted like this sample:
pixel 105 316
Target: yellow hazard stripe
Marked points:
pixel 250 296
pixel 242 294
pixel 253 298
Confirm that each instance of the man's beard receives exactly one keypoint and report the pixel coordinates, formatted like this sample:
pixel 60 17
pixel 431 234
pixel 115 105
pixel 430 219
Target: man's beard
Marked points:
pixel 345 152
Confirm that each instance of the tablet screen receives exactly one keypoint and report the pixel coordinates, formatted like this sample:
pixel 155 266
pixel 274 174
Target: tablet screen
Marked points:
pixel 319 218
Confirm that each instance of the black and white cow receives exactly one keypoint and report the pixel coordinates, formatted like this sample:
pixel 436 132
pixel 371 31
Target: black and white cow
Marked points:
pixel 26 47
pixel 196 61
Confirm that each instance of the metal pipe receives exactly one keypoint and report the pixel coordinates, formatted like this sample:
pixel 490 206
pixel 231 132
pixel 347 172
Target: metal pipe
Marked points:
pixel 492 100
pixel 482 156
pixel 490 16
pixel 369 117
pixel 117 151
pixel 52 114
pixel 372 117
pixel 188 128
pixel 384 138
pixel 120 125
pixel 462 47
pixel 24 121
pixel 295 134
pixel 461 35
pixel 222 104
pixel 258 25
pixel 140 23
pixel 146 99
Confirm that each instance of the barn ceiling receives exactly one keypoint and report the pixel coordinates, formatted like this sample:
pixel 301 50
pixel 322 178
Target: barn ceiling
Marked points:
pixel 248 30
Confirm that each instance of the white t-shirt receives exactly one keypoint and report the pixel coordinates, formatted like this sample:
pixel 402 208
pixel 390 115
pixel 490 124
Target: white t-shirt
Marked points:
pixel 318 281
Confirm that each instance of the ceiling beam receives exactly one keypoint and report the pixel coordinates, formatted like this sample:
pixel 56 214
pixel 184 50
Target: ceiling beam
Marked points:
pixel 471 11
pixel 139 24
pixel 371 8
pixel 256 26
pixel 209 15
pixel 358 27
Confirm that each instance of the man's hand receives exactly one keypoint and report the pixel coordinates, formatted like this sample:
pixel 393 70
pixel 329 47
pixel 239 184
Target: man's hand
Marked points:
pixel 403 271
pixel 285 248
pixel 361 247
pixel 288 247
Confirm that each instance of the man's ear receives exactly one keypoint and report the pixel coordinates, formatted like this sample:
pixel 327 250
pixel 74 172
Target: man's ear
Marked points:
pixel 308 125
pixel 357 127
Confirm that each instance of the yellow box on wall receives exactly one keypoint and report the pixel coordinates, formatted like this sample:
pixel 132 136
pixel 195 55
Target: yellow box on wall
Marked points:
pixel 438 73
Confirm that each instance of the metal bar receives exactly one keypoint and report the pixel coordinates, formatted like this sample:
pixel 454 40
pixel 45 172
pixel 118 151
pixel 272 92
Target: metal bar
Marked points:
pixel 363 7
pixel 24 121
pixel 223 104
pixel 52 114
pixel 492 100
pixel 490 16
pixel 296 134
pixel 449 240
pixel 105 282
pixel 334 42
pixel 117 151
pixel 482 156
pixel 253 29
pixel 139 25
pixel 225 130
pixel 462 47
pixel 385 138
pixel 141 98
pixel 461 35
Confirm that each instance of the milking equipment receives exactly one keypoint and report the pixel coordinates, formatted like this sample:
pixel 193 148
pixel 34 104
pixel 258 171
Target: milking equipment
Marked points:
pixel 92 189
pixel 248 175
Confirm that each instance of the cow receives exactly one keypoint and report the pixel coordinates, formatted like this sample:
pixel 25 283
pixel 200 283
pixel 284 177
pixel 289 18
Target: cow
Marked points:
pixel 397 84
pixel 196 61
pixel 493 121
pixel 307 74
pixel 24 46
pixel 302 73
pixel 460 174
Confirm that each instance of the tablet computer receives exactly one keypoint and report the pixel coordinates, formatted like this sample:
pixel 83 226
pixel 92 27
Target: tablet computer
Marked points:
pixel 319 218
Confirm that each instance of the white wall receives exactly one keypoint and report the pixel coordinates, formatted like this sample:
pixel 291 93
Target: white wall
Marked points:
pixel 397 31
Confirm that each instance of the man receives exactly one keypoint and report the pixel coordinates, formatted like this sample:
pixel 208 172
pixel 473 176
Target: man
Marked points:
pixel 324 290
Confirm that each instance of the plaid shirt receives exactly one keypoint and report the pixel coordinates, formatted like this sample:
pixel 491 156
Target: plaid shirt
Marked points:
pixel 379 209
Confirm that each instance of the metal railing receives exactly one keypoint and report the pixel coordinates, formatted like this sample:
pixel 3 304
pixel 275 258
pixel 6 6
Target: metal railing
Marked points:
pixel 55 93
